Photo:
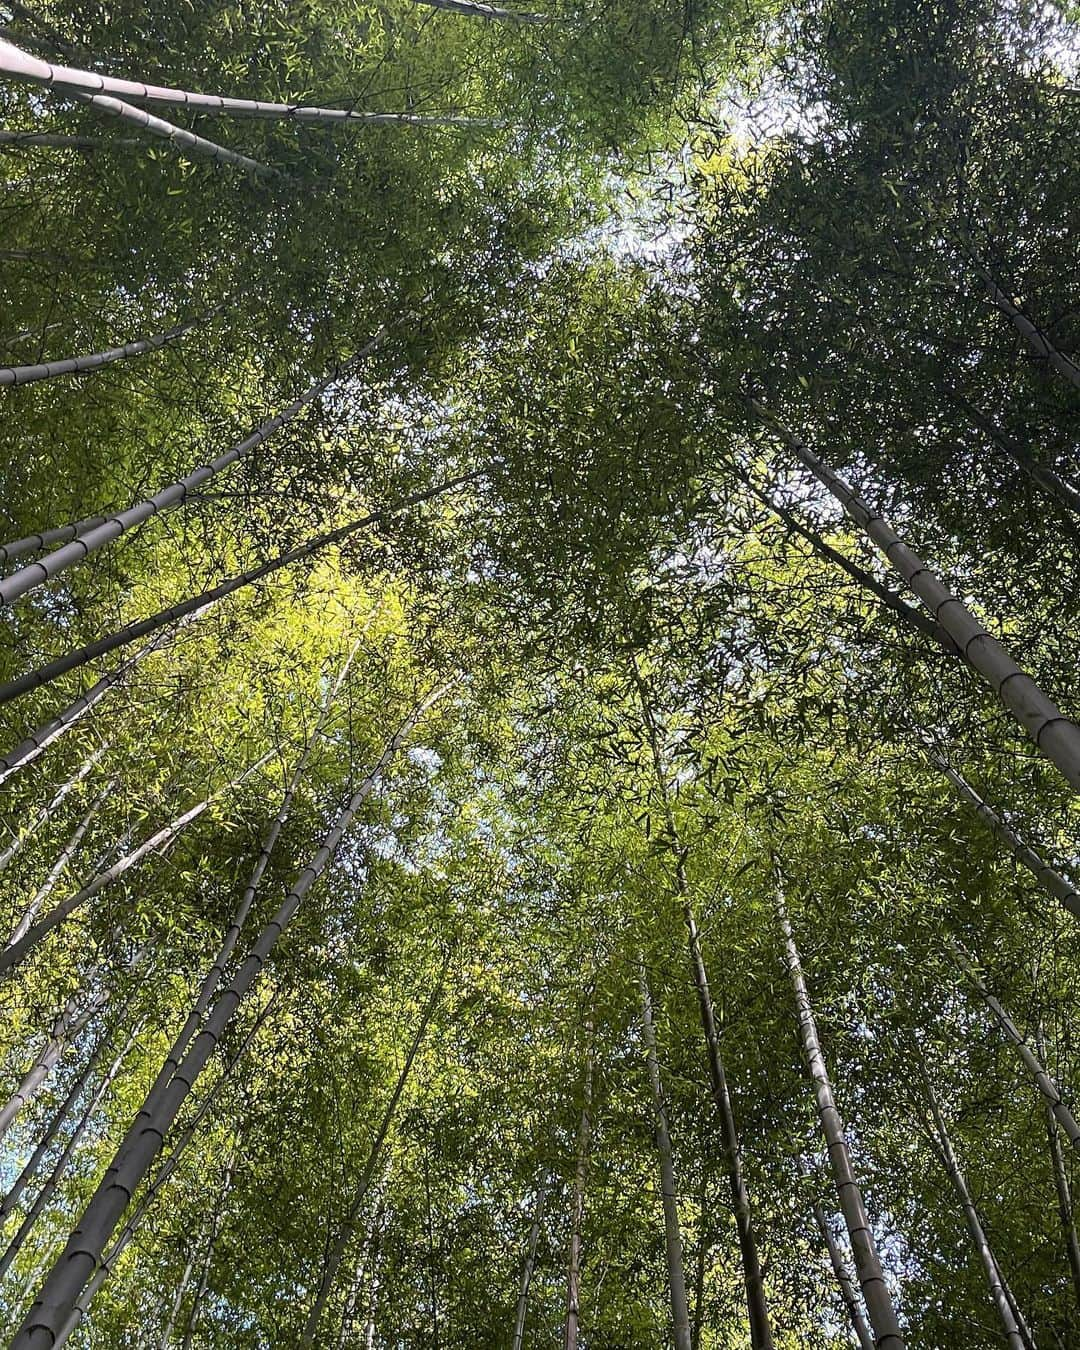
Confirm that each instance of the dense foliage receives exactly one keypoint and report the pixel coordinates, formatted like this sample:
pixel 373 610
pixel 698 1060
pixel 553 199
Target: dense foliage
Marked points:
pixel 538 663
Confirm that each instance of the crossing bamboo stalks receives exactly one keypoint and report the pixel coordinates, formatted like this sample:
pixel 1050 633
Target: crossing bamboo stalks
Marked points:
pixel 680 1312
pixel 1042 1079
pixel 160 1180
pixel 843 1280
pixel 81 365
pixel 56 1299
pixel 879 1304
pixel 1009 1322
pixel 161 839
pixel 67 1026
pixel 1056 735
pixel 522 1314
pixel 165 618
pixel 59 1118
pixel 212 980
pixel 57 870
pixel 341 1243
pixel 22 65
pixel 92 538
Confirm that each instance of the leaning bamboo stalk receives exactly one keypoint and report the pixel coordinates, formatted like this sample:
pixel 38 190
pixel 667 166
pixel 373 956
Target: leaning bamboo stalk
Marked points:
pixel 165 1339
pixel 373 1290
pixel 57 870
pixel 911 616
pixel 221 1200
pixel 166 1170
pixel 58 1120
pixel 1050 482
pixel 1056 735
pixel 36 543
pixel 1053 882
pixel 60 1166
pixel 572 1324
pixel 761 1337
pixel 81 365
pixel 1031 332
pixel 67 1026
pixel 161 839
pixel 183 141
pixel 38 334
pixel 165 618
pixel 473 9
pixel 1043 1081
pixel 95 537
pixel 879 1303
pixel 39 740
pixel 1000 1299
pixel 22 65
pixel 844 1281
pixel 365 1265
pixel 1061 1185
pixel 58 1295
pixel 341 1243
pixel 518 1340
pixel 680 1313
pixel 216 973
pixel 47 812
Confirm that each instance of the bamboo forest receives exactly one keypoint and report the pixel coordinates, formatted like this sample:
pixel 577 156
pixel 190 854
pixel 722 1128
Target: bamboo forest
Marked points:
pixel 540 674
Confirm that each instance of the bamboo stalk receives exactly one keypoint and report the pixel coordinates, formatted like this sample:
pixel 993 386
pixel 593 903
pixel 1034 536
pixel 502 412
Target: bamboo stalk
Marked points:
pixel 81 365
pixel 680 1313
pixel 998 1295
pixel 1056 735
pixel 22 65
pixel 879 1304
pixel 572 1323
pixel 757 1307
pixel 843 1280
pixel 518 1341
